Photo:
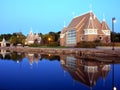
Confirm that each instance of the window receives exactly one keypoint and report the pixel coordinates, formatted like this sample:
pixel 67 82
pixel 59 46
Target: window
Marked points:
pixel 90 31
pixel 82 38
pixel 106 32
pixel 71 37
pixel 100 38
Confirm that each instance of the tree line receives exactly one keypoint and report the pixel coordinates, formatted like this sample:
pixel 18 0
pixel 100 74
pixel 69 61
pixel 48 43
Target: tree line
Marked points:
pixel 51 38
pixel 115 37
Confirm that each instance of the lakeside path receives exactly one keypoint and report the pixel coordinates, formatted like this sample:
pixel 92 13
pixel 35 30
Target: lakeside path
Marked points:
pixel 99 53
pixel 103 51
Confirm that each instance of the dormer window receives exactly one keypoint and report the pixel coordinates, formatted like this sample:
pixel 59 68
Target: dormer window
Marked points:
pixel 106 32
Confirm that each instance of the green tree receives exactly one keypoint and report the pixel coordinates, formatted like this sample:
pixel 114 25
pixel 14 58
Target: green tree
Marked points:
pixel 17 39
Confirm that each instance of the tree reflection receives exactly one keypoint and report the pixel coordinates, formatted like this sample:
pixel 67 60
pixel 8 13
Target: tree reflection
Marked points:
pixel 31 57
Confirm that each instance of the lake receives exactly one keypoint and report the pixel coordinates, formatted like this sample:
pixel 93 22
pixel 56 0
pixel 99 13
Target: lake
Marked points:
pixel 36 71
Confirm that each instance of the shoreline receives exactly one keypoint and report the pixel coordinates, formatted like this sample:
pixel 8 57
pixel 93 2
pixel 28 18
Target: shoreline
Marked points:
pixel 102 55
pixel 78 51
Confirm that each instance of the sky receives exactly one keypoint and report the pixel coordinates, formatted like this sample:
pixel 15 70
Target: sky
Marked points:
pixel 43 16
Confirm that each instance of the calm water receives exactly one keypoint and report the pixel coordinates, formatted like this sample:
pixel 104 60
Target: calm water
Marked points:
pixel 33 71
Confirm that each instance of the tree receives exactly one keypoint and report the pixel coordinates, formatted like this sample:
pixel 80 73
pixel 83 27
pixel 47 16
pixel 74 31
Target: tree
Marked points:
pixel 115 37
pixel 17 39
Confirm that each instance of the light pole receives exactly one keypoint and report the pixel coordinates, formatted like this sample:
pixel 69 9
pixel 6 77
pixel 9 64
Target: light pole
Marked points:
pixel 49 39
pixel 113 21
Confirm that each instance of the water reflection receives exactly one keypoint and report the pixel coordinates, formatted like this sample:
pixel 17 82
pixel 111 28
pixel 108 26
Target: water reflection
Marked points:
pixel 85 72
pixel 31 57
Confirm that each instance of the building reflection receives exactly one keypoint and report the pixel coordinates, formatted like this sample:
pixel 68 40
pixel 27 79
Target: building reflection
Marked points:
pixel 3 52
pixel 14 56
pixel 85 71
pixel 33 57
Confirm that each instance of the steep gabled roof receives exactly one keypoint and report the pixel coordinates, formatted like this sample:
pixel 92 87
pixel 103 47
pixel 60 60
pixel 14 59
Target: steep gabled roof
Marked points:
pixel 104 25
pixel 3 40
pixel 87 21
pixel 78 20
pixel 91 22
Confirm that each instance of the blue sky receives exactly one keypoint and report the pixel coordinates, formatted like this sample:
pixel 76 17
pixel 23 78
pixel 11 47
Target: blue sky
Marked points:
pixel 49 15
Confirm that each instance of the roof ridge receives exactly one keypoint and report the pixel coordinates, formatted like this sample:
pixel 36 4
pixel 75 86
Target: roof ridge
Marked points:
pixel 82 14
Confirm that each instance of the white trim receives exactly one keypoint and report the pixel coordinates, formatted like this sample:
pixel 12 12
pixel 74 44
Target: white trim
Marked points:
pixel 62 35
pixel 30 54
pixel 106 32
pixel 30 41
pixel 91 68
pixel 90 31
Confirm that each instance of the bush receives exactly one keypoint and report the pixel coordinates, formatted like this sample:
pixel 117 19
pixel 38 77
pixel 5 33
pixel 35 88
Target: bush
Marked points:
pixel 35 45
pixel 85 44
pixel 55 44
pixel 93 44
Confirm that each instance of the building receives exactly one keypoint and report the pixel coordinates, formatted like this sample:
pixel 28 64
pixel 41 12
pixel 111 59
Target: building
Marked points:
pixel 4 43
pixel 32 39
pixel 85 28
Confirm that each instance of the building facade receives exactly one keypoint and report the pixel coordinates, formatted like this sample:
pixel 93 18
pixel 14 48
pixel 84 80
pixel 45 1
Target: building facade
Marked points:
pixel 32 39
pixel 85 28
pixel 4 43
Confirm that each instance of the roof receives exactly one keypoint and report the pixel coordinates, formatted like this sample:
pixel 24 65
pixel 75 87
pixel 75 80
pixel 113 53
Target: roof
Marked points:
pixel 87 21
pixel 91 23
pixel 105 26
pixel 77 20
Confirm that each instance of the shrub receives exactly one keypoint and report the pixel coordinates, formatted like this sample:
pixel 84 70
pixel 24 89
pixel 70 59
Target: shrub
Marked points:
pixel 93 44
pixel 85 44
pixel 55 44
pixel 35 45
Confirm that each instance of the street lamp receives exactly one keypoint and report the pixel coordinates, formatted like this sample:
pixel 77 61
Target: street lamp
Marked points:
pixel 49 39
pixel 113 21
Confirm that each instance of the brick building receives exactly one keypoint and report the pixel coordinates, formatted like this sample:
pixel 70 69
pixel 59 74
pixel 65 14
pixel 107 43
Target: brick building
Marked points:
pixel 85 28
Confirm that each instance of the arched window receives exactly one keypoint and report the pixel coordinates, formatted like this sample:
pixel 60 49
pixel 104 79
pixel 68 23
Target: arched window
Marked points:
pixel 71 37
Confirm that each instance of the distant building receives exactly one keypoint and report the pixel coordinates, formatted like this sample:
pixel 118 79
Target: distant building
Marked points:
pixel 4 43
pixel 32 39
pixel 85 28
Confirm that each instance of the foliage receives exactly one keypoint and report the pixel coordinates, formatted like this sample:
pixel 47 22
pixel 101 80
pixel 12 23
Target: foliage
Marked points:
pixel 17 39
pixel 55 44
pixel 85 44
pixel 110 44
pixel 35 45
pixel 54 37
pixel 115 37
pixel 94 44
pixel 6 36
